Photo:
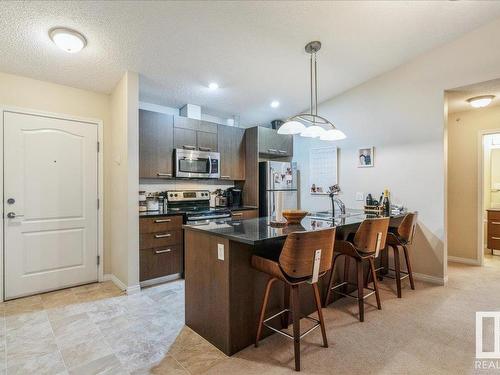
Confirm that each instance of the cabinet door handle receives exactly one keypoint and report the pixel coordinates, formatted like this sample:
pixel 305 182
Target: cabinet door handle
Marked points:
pixel 163 251
pixel 163 235
pixel 162 174
pixel 237 214
pixel 225 177
pixel 282 152
pixel 189 147
pixel 495 222
pixel 204 148
pixel 495 238
pixel 163 220
pixel 272 150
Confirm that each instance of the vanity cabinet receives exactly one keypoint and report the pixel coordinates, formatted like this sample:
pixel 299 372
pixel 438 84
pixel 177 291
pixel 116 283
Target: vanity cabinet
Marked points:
pixel 155 145
pixel 272 143
pixel 493 237
pixel 231 143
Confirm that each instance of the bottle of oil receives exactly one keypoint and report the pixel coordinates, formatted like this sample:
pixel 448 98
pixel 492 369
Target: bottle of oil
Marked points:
pixel 386 203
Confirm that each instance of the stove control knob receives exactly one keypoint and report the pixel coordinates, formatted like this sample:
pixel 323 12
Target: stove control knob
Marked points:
pixel 175 195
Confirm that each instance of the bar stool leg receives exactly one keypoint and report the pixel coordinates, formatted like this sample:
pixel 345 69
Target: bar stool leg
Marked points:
pixel 296 325
pixel 330 282
pixel 346 272
pixel 320 314
pixel 361 301
pixel 397 268
pixel 375 282
pixel 263 309
pixel 285 317
pixel 408 267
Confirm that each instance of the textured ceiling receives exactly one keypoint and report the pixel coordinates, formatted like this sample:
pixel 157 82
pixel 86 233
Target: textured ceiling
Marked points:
pixel 457 98
pixel 254 50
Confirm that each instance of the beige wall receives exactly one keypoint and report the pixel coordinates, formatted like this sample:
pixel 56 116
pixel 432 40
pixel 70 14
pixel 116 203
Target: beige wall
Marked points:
pixel 124 176
pixel 402 114
pixel 463 153
pixel 49 97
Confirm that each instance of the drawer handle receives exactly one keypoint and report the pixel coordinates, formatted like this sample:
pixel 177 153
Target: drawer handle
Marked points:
pixel 163 251
pixel 238 214
pixel 163 235
pixel 162 174
pixel 272 150
pixel 225 177
pixel 163 220
pixel 495 222
pixel 495 238
pixel 189 147
pixel 204 148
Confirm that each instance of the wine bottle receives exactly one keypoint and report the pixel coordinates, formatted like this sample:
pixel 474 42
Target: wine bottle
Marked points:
pixel 386 203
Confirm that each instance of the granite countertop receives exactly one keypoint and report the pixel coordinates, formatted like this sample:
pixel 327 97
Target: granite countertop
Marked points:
pixel 256 231
pixel 176 212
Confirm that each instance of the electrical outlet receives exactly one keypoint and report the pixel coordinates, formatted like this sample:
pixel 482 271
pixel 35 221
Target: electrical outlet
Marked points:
pixel 360 196
pixel 220 251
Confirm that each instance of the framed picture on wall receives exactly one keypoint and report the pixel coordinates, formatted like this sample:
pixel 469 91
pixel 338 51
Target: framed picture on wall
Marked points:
pixel 366 157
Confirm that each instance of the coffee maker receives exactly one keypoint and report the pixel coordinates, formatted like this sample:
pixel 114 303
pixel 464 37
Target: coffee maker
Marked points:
pixel 234 197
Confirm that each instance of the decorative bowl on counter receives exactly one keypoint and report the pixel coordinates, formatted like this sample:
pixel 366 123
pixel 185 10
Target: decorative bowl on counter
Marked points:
pixel 294 216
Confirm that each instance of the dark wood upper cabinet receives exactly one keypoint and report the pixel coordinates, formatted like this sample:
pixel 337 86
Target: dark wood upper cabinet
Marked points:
pixel 155 144
pixel 231 142
pixel 206 141
pixel 272 143
pixel 185 138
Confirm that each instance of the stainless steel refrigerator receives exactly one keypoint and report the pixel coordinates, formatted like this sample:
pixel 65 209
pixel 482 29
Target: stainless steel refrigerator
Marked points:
pixel 277 188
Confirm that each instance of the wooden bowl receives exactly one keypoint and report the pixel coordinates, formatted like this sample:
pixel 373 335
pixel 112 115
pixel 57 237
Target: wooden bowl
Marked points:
pixel 294 216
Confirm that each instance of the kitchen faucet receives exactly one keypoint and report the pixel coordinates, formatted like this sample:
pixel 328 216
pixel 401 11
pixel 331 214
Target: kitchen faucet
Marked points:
pixel 333 192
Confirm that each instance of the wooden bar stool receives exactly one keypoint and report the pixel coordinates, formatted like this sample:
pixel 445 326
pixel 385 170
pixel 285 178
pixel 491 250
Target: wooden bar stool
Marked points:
pixel 368 240
pixel 305 257
pixel 401 236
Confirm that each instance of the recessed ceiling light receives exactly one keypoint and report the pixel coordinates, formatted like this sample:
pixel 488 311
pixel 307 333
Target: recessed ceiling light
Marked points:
pixel 68 40
pixel 213 86
pixel 275 104
pixel 480 101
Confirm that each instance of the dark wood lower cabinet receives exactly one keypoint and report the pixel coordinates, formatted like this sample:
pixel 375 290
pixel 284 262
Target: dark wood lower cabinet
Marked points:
pixel 159 262
pixel 161 247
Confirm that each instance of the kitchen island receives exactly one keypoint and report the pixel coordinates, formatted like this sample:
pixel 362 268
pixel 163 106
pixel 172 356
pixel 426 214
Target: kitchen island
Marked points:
pixel 223 291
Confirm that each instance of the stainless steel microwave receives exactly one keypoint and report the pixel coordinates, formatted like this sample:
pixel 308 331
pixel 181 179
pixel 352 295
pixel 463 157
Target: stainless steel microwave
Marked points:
pixel 196 164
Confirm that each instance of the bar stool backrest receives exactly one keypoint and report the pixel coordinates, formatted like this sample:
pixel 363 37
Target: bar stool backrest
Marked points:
pixel 406 230
pixel 371 235
pixel 299 251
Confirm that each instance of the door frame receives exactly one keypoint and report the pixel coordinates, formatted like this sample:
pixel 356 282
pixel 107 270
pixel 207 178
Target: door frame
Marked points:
pixel 100 183
pixel 480 195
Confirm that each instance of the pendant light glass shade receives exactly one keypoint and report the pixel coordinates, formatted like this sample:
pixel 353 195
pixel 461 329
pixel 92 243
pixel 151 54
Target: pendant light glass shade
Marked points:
pixel 291 127
pixel 313 131
pixel 332 135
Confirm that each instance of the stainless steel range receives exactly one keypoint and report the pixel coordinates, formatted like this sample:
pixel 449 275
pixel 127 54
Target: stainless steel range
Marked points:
pixel 195 206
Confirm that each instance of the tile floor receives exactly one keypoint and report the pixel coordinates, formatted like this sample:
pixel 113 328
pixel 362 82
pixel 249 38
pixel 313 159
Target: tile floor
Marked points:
pixel 95 329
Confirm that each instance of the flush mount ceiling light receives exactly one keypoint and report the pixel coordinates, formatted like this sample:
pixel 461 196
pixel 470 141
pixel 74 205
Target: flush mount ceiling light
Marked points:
pixel 275 104
pixel 68 40
pixel 480 101
pixel 314 126
pixel 213 86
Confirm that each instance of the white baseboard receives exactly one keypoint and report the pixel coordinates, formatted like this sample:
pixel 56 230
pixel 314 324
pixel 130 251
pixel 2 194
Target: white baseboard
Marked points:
pixel 430 279
pixel 472 262
pixel 134 289
pixel 120 284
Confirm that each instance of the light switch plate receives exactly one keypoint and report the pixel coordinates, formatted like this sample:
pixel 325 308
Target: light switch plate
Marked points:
pixel 220 251
pixel 360 196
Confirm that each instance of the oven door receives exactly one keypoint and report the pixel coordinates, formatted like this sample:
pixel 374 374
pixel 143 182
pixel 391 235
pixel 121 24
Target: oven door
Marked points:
pixel 196 164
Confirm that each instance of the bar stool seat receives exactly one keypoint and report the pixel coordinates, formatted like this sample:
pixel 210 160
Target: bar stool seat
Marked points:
pixel 305 257
pixel 368 240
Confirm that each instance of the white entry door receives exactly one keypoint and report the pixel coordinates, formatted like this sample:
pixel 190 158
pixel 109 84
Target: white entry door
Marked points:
pixel 50 203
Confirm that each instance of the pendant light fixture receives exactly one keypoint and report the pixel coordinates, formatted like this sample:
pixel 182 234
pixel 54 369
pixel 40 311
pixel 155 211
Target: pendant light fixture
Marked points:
pixel 310 124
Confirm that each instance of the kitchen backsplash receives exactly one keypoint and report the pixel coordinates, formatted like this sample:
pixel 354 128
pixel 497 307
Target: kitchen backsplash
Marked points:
pixel 185 185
